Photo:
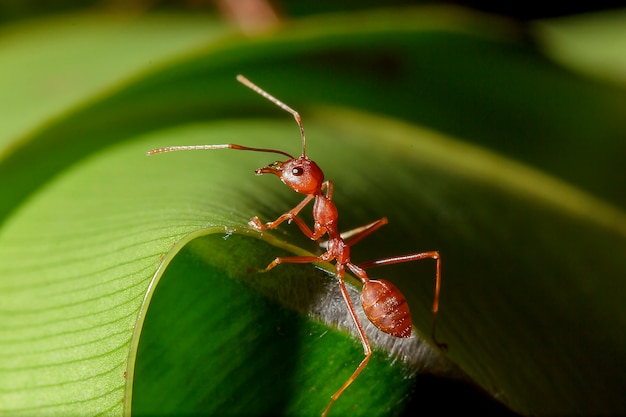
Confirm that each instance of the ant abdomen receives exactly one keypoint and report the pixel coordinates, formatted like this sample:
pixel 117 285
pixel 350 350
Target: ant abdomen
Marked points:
pixel 386 308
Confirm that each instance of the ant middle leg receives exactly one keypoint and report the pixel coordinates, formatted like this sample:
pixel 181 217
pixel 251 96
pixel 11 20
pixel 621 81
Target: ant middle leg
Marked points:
pixel 352 237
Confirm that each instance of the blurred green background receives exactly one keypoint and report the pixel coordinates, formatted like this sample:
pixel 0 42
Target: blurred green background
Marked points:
pixel 492 133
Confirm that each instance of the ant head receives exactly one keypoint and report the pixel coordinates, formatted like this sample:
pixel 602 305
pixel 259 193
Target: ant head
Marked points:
pixel 300 174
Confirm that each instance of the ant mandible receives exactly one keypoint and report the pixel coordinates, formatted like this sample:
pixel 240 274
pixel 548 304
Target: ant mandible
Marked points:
pixel 383 304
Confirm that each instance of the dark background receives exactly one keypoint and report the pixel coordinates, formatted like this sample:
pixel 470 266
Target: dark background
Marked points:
pixel 11 10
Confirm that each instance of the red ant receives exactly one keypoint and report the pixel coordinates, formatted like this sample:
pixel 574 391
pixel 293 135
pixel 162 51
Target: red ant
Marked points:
pixel 383 303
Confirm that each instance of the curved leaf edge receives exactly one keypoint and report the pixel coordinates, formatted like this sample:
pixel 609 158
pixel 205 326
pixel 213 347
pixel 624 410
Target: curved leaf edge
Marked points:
pixel 416 353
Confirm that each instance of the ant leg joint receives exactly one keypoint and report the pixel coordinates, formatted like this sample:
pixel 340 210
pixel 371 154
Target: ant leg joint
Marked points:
pixel 273 264
pixel 255 223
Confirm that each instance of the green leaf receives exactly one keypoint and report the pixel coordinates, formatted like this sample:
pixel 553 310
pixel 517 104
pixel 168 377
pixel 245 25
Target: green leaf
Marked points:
pixel 86 54
pixel 531 302
pixel 126 211
pixel 247 353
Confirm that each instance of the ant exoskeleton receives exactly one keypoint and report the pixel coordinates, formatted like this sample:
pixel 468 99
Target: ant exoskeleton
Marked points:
pixel 383 303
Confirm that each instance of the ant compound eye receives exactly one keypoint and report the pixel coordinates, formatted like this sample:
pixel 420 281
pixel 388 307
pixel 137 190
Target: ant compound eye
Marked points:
pixel 302 175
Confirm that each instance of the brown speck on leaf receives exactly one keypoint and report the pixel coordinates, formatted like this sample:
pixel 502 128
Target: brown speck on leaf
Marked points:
pixel 252 16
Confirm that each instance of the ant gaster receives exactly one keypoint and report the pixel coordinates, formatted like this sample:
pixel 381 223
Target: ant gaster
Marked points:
pixel 383 303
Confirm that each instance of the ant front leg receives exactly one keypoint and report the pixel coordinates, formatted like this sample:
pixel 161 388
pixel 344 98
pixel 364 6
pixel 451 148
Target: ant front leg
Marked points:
pixel 292 214
pixel 417 257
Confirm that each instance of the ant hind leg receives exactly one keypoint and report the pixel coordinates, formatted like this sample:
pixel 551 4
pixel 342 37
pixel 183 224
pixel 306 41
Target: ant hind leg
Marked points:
pixel 417 257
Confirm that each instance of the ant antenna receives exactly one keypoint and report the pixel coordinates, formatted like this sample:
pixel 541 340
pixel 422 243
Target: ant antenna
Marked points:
pixel 243 80
pixel 224 146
